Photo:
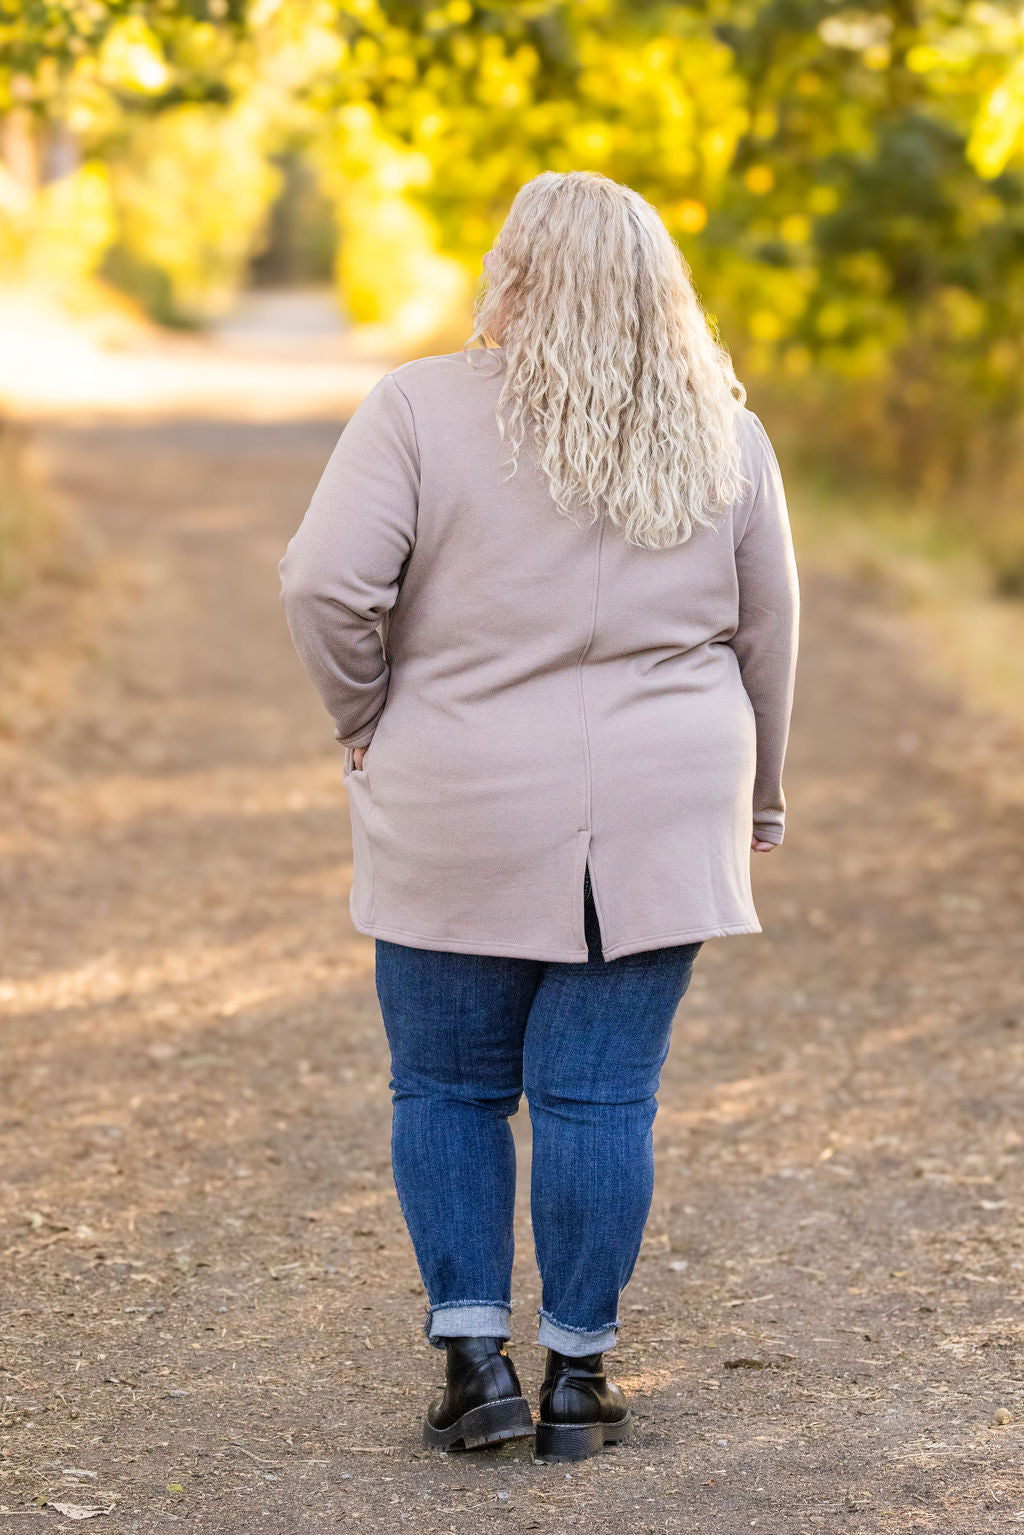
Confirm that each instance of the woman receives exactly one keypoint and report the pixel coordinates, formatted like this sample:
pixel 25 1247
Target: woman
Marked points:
pixel 546 589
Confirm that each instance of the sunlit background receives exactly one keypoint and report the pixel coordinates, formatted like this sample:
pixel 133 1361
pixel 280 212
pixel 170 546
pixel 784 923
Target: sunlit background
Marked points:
pixel 311 184
pixel 845 180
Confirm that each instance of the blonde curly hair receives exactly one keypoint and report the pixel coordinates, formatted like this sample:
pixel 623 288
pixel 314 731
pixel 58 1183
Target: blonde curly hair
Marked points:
pixel 630 401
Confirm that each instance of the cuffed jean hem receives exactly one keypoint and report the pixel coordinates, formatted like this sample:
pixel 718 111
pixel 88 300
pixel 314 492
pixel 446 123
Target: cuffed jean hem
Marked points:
pixel 467 1319
pixel 574 1341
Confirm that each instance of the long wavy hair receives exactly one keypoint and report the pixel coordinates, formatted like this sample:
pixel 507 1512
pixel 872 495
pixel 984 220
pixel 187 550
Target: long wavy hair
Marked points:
pixel 612 370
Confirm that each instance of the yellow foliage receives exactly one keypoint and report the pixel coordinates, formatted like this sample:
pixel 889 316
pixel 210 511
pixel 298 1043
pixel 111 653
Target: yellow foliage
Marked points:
pixel 75 223
pixel 962 315
pixel 795 228
pixel 464 50
pixel 389 267
pixel 765 325
pixel 60 235
pixel 192 199
pixel 717 147
pixel 923 58
pixel 589 143
pixel 832 320
pixel 400 66
pixel 675 104
pixel 131 56
pixel 424 120
pixel 759 179
pixel 998 130
pixel 690 215
pixel 866 270
pixel 823 199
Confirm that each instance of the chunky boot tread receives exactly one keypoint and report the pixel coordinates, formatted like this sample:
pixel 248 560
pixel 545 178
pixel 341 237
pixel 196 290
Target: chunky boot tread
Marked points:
pixel 577 1441
pixel 490 1423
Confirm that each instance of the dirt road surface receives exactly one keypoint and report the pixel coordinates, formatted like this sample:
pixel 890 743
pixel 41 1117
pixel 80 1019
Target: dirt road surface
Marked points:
pixel 212 1318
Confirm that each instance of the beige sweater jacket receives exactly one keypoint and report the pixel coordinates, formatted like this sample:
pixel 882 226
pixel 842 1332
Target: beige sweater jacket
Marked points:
pixel 539 692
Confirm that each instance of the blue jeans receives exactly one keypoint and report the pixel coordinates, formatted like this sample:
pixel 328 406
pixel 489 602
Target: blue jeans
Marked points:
pixel 468 1033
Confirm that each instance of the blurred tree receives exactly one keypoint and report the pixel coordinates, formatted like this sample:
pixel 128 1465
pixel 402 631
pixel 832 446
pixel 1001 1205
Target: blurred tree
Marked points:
pixel 894 260
pixel 112 113
pixel 846 179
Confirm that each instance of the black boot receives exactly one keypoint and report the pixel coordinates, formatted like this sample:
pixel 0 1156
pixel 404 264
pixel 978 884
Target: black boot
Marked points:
pixel 482 1403
pixel 580 1411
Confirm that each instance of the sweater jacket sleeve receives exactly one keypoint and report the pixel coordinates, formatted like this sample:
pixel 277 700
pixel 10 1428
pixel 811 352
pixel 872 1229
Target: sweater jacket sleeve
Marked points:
pixel 766 637
pixel 342 571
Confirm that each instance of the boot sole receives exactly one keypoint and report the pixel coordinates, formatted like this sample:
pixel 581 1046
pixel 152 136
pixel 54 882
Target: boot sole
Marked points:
pixel 509 1418
pixel 576 1441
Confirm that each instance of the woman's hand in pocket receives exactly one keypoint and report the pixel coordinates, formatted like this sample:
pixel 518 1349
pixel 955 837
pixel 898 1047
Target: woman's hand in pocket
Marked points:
pixel 358 753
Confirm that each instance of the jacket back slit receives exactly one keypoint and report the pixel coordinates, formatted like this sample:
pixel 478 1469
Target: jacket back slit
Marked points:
pixel 534 692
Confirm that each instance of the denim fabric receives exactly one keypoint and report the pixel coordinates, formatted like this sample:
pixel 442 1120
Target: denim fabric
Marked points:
pixel 468 1033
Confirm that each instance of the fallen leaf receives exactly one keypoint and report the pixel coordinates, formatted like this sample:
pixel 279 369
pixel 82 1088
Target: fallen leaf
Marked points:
pixel 78 1510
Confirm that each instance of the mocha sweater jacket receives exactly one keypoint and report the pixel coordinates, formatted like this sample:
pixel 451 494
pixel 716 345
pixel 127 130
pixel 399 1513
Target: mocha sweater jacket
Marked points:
pixel 536 692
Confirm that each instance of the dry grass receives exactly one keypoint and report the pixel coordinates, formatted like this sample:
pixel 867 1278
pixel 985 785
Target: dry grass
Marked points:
pixel 962 629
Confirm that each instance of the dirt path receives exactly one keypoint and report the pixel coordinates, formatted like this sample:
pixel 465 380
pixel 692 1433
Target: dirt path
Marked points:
pixel 211 1312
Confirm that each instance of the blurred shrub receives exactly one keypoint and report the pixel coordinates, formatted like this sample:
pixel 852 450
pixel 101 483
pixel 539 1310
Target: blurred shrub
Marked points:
pixel 388 265
pixel 846 183
pixel 62 231
pixel 192 188
pixel 29 521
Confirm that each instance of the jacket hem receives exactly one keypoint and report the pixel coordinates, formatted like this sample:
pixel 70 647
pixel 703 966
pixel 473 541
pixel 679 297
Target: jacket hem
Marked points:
pixel 669 940
pixel 552 956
